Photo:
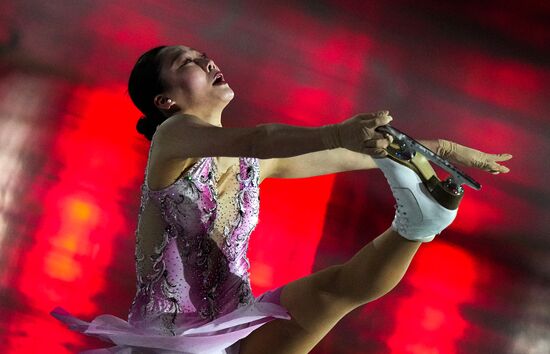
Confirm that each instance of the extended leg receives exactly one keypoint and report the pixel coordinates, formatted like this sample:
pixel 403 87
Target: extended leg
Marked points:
pixel 317 302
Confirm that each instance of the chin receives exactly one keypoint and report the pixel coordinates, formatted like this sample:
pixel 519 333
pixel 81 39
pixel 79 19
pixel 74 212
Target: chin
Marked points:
pixel 228 96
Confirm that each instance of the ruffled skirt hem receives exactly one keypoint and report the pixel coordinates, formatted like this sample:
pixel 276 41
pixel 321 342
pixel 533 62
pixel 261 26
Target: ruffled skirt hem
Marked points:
pixel 220 336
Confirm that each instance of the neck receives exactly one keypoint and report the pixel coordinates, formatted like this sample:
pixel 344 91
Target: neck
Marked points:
pixel 211 116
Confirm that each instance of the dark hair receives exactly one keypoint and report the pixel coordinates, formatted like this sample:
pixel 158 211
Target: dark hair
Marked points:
pixel 143 85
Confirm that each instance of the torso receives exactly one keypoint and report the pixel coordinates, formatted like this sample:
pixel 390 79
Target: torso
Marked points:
pixel 211 205
pixel 163 172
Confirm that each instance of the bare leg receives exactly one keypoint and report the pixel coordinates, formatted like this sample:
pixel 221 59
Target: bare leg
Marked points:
pixel 317 302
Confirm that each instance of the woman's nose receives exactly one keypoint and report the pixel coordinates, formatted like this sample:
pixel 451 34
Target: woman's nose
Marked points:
pixel 210 65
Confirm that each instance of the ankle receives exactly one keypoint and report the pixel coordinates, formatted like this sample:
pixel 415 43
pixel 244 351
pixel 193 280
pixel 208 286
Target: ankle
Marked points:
pixel 418 217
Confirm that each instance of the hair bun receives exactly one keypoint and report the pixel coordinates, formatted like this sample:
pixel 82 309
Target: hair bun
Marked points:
pixel 147 126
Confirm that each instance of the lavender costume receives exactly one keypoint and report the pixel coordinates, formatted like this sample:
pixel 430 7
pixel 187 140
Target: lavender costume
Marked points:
pixel 193 289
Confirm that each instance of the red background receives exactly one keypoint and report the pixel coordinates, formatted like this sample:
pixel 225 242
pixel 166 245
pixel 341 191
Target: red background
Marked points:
pixel 72 163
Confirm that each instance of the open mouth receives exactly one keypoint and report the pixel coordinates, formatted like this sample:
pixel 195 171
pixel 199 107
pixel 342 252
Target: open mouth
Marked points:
pixel 219 80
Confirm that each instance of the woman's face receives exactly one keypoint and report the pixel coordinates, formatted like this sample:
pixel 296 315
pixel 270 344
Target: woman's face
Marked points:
pixel 191 79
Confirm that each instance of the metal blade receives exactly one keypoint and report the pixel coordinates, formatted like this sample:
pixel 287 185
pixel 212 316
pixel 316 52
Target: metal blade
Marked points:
pixel 409 146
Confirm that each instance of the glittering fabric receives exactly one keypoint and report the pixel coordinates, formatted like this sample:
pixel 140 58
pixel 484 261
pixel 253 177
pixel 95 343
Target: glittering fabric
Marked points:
pixel 193 289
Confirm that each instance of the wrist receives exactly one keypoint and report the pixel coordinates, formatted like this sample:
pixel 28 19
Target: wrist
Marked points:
pixel 433 145
pixel 330 135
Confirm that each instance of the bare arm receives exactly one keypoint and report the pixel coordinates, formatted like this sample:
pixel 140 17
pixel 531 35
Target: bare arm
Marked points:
pixel 186 136
pixel 315 164
pixel 322 163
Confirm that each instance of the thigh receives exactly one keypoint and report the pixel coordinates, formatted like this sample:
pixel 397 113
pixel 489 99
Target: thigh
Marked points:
pixel 315 304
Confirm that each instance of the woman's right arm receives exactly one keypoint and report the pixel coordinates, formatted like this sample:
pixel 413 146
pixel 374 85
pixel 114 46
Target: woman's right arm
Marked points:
pixel 186 136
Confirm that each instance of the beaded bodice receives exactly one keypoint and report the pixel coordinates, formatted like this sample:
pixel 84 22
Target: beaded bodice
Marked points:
pixel 197 269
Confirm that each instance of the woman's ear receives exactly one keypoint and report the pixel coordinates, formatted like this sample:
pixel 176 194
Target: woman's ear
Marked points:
pixel 163 103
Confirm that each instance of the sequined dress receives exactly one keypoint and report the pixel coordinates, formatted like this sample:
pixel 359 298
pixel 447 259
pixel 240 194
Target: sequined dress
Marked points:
pixel 193 290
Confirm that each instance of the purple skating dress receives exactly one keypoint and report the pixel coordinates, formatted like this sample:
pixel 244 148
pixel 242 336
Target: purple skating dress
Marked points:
pixel 193 289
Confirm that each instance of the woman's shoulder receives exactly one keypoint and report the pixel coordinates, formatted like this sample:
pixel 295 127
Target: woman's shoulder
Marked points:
pixel 163 172
pixel 178 121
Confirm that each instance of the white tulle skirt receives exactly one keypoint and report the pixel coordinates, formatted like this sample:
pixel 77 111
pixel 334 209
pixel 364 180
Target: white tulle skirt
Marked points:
pixel 220 336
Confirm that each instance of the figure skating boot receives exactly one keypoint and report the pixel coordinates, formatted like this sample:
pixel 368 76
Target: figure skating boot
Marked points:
pixel 418 216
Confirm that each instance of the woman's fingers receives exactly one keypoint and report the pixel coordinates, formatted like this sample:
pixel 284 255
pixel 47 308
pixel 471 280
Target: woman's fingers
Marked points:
pixel 369 134
pixel 374 152
pixel 491 166
pixel 373 123
pixel 376 143
pixel 495 167
pixel 373 115
pixel 502 157
pixel 358 133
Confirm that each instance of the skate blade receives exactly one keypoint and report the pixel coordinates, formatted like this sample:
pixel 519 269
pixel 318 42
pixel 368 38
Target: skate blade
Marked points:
pixel 405 148
pixel 410 153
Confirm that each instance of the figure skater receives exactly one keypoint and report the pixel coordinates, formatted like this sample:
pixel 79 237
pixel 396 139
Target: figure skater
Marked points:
pixel 200 203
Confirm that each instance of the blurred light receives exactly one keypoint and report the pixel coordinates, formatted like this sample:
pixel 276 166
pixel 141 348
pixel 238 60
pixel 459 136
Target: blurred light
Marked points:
pixel 288 233
pixel 442 277
pixel 82 218
pixel 21 101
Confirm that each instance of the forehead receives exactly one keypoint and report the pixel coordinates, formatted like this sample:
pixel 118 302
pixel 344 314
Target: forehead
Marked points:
pixel 171 53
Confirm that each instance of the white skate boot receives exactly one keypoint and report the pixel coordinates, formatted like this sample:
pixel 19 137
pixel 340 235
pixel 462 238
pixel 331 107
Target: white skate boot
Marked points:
pixel 419 216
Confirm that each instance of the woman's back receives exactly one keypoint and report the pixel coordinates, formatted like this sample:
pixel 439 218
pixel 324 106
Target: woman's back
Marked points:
pixel 191 244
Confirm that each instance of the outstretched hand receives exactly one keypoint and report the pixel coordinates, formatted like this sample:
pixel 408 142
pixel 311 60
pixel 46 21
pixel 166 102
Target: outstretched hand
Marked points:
pixel 469 157
pixel 359 134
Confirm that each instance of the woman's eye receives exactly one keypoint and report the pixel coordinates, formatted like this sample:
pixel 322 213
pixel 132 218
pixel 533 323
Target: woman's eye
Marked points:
pixel 186 61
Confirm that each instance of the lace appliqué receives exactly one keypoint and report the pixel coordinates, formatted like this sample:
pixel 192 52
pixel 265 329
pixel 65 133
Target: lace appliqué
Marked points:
pixel 190 208
pixel 149 283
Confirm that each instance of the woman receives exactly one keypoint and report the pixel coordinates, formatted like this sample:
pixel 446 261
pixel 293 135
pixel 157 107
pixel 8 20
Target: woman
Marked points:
pixel 200 203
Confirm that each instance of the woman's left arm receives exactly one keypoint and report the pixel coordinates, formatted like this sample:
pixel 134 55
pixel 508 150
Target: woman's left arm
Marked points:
pixel 321 163
pixel 339 160
pixel 315 164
